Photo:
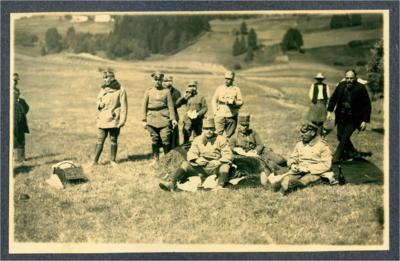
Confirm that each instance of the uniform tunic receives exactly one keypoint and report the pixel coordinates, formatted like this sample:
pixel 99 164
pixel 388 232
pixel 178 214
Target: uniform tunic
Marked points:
pixel 21 108
pixel 112 104
pixel 222 95
pixel 158 108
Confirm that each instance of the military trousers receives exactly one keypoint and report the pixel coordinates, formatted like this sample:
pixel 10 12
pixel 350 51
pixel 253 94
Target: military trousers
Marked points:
pixel 19 139
pixel 227 124
pixel 160 135
pixel 221 170
pixel 293 180
pixel 191 126
pixel 103 133
pixel 345 129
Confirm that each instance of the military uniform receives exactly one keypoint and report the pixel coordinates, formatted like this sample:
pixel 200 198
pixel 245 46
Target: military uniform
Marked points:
pixel 21 108
pixel 158 112
pixel 206 156
pixel 176 95
pixel 194 103
pixel 251 144
pixel 112 106
pixel 227 101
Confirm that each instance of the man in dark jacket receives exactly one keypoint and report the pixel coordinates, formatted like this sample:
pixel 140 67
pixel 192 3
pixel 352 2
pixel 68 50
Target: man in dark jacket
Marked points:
pixel 175 94
pixel 353 111
pixel 21 108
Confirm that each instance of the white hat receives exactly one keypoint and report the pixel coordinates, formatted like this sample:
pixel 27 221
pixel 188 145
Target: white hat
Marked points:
pixel 319 76
pixel 229 75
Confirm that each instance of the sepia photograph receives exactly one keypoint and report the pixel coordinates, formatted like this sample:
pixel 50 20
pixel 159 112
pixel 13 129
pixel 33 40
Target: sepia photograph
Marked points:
pixel 212 131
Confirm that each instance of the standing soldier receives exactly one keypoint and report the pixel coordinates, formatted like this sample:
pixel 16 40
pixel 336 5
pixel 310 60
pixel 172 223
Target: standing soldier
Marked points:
pixel 319 94
pixel 21 108
pixel 158 115
pixel 209 154
pixel 227 101
pixel 112 105
pixel 196 108
pixel 175 94
pixel 353 111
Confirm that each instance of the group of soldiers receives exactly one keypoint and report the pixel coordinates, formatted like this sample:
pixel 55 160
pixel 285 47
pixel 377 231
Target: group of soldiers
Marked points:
pixel 221 136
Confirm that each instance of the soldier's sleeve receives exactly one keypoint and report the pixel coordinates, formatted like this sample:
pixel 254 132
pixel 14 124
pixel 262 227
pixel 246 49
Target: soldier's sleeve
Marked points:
pixel 204 107
pixel 294 157
pixel 171 108
pixel 226 151
pixel 366 105
pixel 215 100
pixel 328 91
pixel 98 100
pixel 25 105
pixel 181 101
pixel 145 104
pixel 324 164
pixel 124 106
pixel 333 99
pixel 259 143
pixel 232 141
pixel 239 98
pixel 311 92
pixel 194 151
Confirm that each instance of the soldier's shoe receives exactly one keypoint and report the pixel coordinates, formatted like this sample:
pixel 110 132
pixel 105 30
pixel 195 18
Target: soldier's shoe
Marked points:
pixel 167 186
pixel 113 164
pixel 333 182
pixel 219 188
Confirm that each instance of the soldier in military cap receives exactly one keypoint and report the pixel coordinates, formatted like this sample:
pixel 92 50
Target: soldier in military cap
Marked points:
pixel 209 154
pixel 226 102
pixel 319 95
pixel 247 142
pixel 310 161
pixel 159 115
pixel 175 94
pixel 196 108
pixel 112 106
pixel 21 108
pixel 352 106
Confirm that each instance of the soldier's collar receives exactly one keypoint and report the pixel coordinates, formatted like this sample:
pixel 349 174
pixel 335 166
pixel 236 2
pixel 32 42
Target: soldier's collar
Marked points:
pixel 314 141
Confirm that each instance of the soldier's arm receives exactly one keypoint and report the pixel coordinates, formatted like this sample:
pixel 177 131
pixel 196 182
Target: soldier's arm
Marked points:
pixel 171 109
pixel 294 157
pixel 366 108
pixel 325 162
pixel 25 105
pixel 99 103
pixel 233 142
pixel 259 144
pixel 226 152
pixel 239 98
pixel 311 92
pixel 215 101
pixel 333 99
pixel 204 107
pixel 124 107
pixel 181 101
pixel 194 151
pixel 145 104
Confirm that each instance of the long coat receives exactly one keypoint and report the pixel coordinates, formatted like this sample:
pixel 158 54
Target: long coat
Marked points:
pixel 21 108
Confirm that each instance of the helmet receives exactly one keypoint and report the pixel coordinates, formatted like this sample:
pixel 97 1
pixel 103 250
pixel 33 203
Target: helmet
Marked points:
pixel 229 75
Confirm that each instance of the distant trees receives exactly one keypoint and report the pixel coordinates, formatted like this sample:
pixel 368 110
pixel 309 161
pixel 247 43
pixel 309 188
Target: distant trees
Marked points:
pixel 292 40
pixel 53 40
pixel 346 20
pixel 242 46
pixel 375 69
pixel 236 48
pixel 243 28
pixel 25 39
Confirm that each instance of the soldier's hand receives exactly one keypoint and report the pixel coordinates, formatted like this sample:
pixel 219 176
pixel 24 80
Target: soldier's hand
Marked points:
pixel 303 169
pixel 294 168
pixel 201 161
pixel 174 124
pixel 120 125
pixel 329 116
pixel 144 124
pixel 363 126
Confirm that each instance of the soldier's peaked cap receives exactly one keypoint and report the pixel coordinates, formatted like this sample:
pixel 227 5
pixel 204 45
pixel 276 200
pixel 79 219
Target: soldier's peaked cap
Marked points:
pixel 192 83
pixel 157 75
pixel 168 78
pixel 229 75
pixel 319 76
pixel 308 126
pixel 244 118
pixel 208 123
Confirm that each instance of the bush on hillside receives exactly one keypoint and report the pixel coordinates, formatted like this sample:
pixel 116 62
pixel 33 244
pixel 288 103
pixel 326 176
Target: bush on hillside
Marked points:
pixel 243 28
pixel 128 49
pixel 292 40
pixel 236 48
pixel 25 39
pixel 252 39
pixel 53 40
pixel 375 69
pixel 340 21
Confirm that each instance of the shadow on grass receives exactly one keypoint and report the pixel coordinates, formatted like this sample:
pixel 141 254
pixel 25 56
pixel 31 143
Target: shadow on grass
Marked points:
pixel 378 130
pixel 22 169
pixel 43 156
pixel 136 157
pixel 360 171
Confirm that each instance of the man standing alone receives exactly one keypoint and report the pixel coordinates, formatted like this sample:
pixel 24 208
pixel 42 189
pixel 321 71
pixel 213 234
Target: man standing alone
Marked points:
pixel 226 102
pixel 353 111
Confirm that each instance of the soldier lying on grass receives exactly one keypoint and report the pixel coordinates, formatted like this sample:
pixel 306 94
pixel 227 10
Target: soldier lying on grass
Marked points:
pixel 209 154
pixel 310 161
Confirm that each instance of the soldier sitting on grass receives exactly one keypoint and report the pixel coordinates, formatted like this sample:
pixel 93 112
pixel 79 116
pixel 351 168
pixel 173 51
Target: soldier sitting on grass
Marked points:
pixel 310 161
pixel 209 154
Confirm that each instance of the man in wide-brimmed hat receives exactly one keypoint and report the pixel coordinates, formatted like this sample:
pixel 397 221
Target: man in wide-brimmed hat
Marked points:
pixel 196 108
pixel 319 95
pixel 209 154
pixel 310 161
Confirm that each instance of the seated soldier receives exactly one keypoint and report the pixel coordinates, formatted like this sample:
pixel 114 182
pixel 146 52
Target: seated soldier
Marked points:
pixel 310 161
pixel 209 154
pixel 247 142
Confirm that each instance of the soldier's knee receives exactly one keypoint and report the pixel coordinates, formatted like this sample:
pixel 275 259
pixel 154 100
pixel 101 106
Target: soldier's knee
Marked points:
pixel 185 165
pixel 224 168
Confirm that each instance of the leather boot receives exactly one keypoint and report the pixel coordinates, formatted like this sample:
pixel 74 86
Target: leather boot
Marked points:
pixel 166 148
pixel 156 153
pixel 114 148
pixel 97 153
pixel 170 185
pixel 19 155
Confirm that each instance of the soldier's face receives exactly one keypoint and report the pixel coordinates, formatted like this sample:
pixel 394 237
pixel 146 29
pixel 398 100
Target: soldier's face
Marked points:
pixel 243 128
pixel 108 79
pixel 209 132
pixel 228 81
pixel 307 136
pixel 158 83
pixel 350 77
pixel 167 83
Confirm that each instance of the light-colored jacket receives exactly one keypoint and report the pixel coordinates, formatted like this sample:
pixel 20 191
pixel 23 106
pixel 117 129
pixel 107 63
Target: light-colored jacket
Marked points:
pixel 216 148
pixel 314 156
pixel 221 98
pixel 112 104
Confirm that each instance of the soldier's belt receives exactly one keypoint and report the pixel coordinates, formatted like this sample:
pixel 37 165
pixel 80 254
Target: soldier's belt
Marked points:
pixel 221 102
pixel 158 108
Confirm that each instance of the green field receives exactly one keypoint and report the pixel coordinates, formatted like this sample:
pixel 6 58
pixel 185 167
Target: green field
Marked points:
pixel 125 204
